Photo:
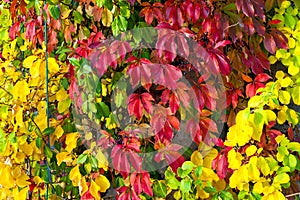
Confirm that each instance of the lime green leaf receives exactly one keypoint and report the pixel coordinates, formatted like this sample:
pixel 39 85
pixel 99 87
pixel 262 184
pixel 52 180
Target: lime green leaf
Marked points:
pixel 282 178
pixel 160 189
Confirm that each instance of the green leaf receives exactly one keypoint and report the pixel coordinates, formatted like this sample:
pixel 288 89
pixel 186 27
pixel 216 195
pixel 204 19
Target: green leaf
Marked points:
pixel 210 190
pixel 38 142
pixel 103 109
pixel 185 185
pixel 289 20
pixel 77 17
pixel 226 195
pixel 242 195
pixel 292 162
pixel 82 158
pixel 48 152
pixel 49 131
pixel 173 183
pixel 198 171
pixel 54 11
pixel 296 95
pixel 124 11
pixel 74 62
pixel 160 189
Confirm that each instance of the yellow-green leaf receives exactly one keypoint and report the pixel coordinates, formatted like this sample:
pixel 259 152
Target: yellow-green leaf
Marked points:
pixel 284 97
pixel 107 17
pixel 64 105
pixel 282 178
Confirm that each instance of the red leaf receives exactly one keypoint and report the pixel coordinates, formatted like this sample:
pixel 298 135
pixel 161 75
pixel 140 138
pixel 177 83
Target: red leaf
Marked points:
pixel 222 43
pixel 166 75
pixel 222 165
pixel 262 77
pixel 270 44
pixel 138 102
pixel 250 90
pixel 274 21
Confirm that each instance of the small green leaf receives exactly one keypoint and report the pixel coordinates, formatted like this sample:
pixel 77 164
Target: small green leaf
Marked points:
pixel 185 185
pixel 77 17
pixel 48 152
pixel 226 195
pixel 289 20
pixel 242 195
pixel 160 189
pixel 54 11
pixel 82 158
pixel 74 62
pixel 49 131
pixel 38 142
pixel 198 171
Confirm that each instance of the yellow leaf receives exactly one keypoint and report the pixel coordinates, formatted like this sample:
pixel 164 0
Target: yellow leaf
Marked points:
pixel 7 179
pixel 21 90
pixel 107 17
pixel 251 150
pixel 94 190
pixel 293 70
pixel 26 148
pixel 197 158
pixel 64 105
pixel 234 159
pixel 209 175
pixel 27 63
pixel 71 141
pixel 63 157
pixel 263 165
pixel 207 161
pixel 103 183
pixel 255 101
pixel 58 132
pixel 272 59
pixel 37 69
pixel 239 178
pixel 61 95
pixel 285 82
pixel 281 117
pixel 258 188
pixel 65 14
pixel 21 181
pixel 75 175
pixel 83 188
pixel 20 195
pixel 53 66
pixel 284 97
pixel 279 75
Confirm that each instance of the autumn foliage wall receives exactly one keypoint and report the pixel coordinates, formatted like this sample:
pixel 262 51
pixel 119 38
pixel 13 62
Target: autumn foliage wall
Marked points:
pixel 179 59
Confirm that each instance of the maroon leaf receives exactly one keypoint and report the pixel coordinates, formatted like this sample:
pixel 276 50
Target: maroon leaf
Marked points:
pixel 270 44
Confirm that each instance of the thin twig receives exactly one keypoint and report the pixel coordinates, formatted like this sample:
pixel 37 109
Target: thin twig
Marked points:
pixel 232 25
pixel 6 90
pixel 291 195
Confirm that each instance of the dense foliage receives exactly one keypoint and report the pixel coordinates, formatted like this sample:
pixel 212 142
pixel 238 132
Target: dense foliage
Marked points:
pixel 142 100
